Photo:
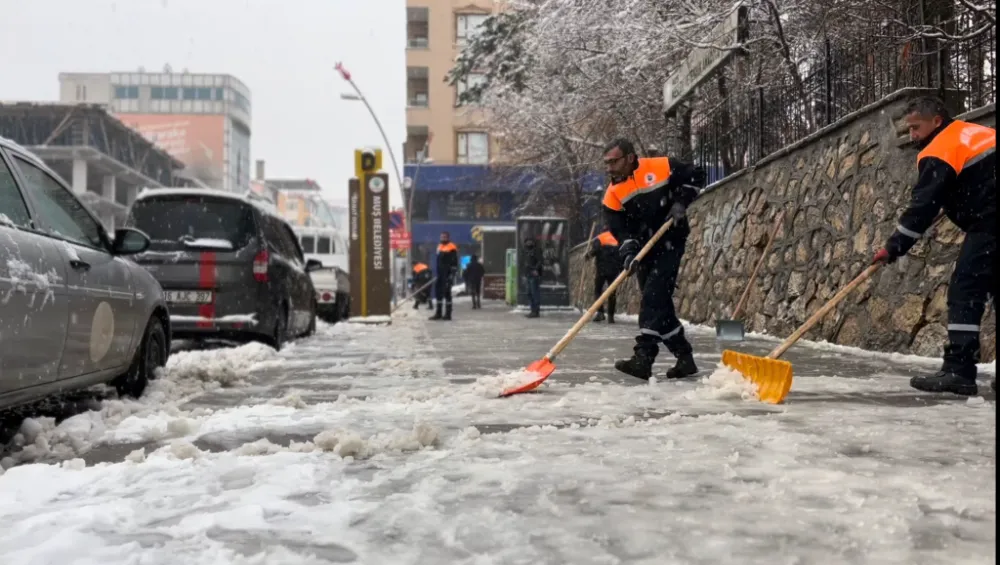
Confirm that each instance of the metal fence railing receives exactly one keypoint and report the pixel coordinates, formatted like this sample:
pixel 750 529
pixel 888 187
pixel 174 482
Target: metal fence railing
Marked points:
pixel 739 120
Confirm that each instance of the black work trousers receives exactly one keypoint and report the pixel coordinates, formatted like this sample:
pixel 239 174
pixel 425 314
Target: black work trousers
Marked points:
pixel 602 278
pixel 442 291
pixel 972 283
pixel 658 321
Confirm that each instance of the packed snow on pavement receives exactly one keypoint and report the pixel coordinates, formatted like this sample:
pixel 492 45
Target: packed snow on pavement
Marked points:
pixel 399 467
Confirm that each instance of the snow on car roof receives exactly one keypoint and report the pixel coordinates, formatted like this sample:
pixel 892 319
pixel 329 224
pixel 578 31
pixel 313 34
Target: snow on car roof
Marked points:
pixel 214 193
pixel 22 151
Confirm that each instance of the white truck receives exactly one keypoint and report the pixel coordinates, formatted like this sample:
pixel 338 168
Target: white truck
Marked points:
pixel 333 286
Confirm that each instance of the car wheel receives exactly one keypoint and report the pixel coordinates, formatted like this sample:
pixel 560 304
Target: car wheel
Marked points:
pixel 152 355
pixel 280 328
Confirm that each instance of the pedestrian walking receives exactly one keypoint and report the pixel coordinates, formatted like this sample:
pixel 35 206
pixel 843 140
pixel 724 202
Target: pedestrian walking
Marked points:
pixel 533 276
pixel 473 277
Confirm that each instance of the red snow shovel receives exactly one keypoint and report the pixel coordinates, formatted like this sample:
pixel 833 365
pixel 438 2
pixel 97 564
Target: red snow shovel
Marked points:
pixel 544 367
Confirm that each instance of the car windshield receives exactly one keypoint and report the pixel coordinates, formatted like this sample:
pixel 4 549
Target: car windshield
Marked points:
pixel 176 223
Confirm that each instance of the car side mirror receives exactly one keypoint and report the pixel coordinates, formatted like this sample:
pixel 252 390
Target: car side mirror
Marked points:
pixel 313 265
pixel 129 241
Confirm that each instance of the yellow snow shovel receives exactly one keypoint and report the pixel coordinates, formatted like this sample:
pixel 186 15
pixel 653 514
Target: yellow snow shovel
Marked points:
pixel 773 376
pixel 734 330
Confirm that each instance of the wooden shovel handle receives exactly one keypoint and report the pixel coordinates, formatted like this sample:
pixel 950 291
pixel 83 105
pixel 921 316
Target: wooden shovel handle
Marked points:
pixel 865 275
pixel 415 292
pixel 815 318
pixel 557 349
pixel 753 276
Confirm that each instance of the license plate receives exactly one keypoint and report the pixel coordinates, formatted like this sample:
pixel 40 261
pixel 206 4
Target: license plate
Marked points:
pixel 188 296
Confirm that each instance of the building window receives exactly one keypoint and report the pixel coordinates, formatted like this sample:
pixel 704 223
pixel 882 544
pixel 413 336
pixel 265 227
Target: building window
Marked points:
pixel 471 82
pixel 473 148
pixel 241 102
pixel 171 93
pixel 190 93
pixel 417 87
pixel 467 26
pixel 127 92
pixel 324 246
pixel 220 93
pixel 417 28
pixel 81 93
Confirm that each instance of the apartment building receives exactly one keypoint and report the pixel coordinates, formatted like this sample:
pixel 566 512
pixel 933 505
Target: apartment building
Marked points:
pixel 438 127
pixel 201 119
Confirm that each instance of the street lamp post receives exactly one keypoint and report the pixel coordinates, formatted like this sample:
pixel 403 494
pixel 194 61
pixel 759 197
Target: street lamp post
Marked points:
pixel 346 75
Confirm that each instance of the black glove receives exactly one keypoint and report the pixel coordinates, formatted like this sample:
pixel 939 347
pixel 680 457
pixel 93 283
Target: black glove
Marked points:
pixel 627 252
pixel 677 212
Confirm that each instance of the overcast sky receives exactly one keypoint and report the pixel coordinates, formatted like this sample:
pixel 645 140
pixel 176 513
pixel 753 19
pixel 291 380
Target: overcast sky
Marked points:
pixel 283 50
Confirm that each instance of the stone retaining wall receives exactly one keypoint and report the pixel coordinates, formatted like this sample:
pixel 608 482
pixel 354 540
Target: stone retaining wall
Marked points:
pixel 842 190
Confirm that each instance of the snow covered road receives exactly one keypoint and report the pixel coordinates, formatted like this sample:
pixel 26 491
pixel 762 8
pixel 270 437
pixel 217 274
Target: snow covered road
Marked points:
pixel 386 445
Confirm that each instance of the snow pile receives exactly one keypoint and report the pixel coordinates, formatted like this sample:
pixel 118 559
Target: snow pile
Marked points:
pixel 724 384
pixel 226 367
pixel 347 443
pixel 156 414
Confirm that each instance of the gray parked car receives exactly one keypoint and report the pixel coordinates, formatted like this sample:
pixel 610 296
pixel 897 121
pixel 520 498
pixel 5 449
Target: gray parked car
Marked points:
pixel 73 311
pixel 230 269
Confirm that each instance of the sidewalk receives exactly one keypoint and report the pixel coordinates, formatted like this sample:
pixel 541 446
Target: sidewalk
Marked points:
pixel 388 444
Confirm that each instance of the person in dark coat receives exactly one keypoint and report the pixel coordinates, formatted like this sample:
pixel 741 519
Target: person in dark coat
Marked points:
pixel 447 268
pixel 643 195
pixel 607 267
pixel 533 266
pixel 473 277
pixel 957 174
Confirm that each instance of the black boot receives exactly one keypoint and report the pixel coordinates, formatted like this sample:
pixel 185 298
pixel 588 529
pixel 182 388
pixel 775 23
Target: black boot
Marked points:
pixel 447 311
pixel 599 317
pixel 532 314
pixel 685 367
pixel 944 381
pixel 639 366
pixel 611 318
pixel 416 304
pixel 437 312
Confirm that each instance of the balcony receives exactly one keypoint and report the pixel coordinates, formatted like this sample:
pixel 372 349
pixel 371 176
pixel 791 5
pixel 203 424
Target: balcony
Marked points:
pixel 417 28
pixel 417 87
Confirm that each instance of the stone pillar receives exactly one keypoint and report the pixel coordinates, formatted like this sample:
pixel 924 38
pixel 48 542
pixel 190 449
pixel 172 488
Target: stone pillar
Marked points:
pixel 79 176
pixel 109 188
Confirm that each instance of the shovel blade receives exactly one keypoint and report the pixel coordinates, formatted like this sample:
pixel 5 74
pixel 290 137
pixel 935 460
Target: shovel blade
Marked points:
pixel 729 330
pixel 773 377
pixel 539 371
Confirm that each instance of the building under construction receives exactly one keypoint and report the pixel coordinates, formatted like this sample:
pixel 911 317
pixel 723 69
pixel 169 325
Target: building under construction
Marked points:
pixel 105 162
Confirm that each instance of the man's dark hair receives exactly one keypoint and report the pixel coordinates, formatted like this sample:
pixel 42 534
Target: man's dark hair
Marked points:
pixel 622 144
pixel 446 233
pixel 928 107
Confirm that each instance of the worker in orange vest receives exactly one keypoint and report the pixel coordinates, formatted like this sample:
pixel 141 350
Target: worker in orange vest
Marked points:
pixel 421 276
pixel 447 268
pixel 607 267
pixel 958 172
pixel 642 196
